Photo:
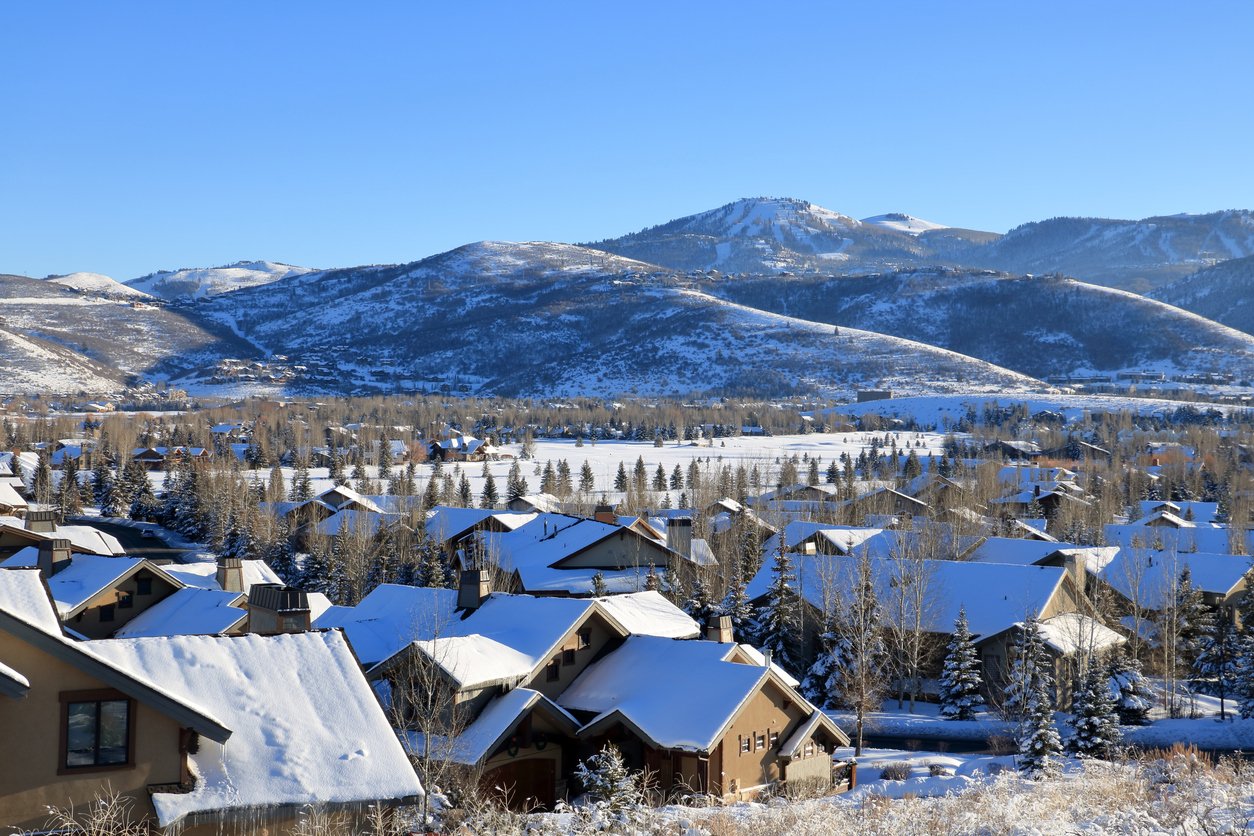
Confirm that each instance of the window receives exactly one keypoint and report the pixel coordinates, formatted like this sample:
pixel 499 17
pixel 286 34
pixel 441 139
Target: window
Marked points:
pixel 568 657
pixel 126 600
pixel 774 739
pixel 96 730
pixel 106 612
pixel 808 751
pixel 143 586
pixel 759 742
pixel 585 638
pixel 553 671
pixel 744 744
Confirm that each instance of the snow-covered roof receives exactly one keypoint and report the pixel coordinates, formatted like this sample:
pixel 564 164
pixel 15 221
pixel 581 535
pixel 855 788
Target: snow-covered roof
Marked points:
pixel 1150 577
pixel 307 726
pixel 445 522
pixel 713 690
pixel 1164 538
pixel 1202 513
pixel 353 522
pixel 86 577
pixel 476 661
pixel 844 538
pixel 390 617
pixel 498 718
pixel 1074 632
pixel 338 496
pixel 532 626
pixel 203 574
pixel 995 595
pixel 188 612
pixel 83 538
pixel 10 497
pixel 649 613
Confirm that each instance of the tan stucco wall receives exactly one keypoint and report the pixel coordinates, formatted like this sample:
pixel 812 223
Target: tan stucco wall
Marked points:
pixel 764 713
pixel 30 731
pixel 90 625
pixel 602 635
pixel 622 550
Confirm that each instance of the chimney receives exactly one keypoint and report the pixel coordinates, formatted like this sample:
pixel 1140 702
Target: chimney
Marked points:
pixel 54 555
pixel 605 514
pixel 230 574
pixel 472 587
pixel 719 629
pixel 679 535
pixel 41 522
pixel 274 609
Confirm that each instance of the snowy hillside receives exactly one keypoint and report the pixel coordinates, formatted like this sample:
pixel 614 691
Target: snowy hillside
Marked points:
pixel 555 319
pixel 1224 293
pixel 1039 326
pixel 96 284
pixel 197 283
pixel 1135 255
pixel 34 365
pixel 903 223
pixel 116 339
pixel 773 235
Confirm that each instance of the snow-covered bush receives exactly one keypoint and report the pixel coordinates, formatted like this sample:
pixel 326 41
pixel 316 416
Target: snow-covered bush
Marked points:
pixel 609 783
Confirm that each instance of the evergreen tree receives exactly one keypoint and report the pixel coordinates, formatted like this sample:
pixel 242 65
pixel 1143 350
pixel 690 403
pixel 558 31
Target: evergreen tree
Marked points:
pixel 384 459
pixel 69 499
pixel 516 485
pixel 587 481
pixel 610 785
pixel 465 496
pixel 821 684
pixel 489 497
pixel 1217 661
pixel 778 620
pixel 736 603
pixel 282 559
pixel 1129 690
pixel 361 479
pixel 101 478
pixel 1193 618
pixel 315 570
pixel 620 478
pixel 548 479
pixel 41 479
pixel 599 589
pixel 336 469
pixel 1039 743
pixel 1030 674
pixel 677 479
pixel 431 494
pixel 276 489
pixel 1094 718
pixel 659 479
pixel 913 467
pixel 699 605
pixel 960 682
pixel 302 485
pixel 565 486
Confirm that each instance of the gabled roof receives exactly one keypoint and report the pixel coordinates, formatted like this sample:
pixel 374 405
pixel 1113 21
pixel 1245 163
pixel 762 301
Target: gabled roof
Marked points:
pixel 995 595
pixel 532 626
pixel 366 523
pixel 390 617
pixel 476 661
pixel 26 612
pixel 1151 577
pixel 87 576
pixel 650 614
pixel 1199 538
pixel 188 612
pixel 497 720
pixel 203 574
pixel 817 720
pixel 307 725
pixel 83 538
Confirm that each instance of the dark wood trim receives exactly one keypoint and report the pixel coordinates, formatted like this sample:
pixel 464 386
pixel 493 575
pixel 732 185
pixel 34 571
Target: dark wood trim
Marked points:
pixel 95 695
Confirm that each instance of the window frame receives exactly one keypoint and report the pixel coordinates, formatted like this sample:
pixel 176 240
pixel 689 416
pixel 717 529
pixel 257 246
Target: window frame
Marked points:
pixel 584 638
pixel 143 585
pixel 97 695
pixel 553 671
pixel 568 656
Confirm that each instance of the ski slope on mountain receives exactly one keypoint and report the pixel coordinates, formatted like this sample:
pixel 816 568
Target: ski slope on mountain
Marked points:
pixel 198 283
pixel 97 284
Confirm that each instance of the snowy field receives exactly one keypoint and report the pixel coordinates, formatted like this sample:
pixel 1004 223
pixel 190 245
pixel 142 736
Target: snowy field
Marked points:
pixel 938 411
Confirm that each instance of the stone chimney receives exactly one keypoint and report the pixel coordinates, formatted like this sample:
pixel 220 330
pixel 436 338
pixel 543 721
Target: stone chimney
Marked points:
pixel 54 555
pixel 473 586
pixel 230 574
pixel 605 514
pixel 719 629
pixel 41 522
pixel 274 609
pixel 1077 568
pixel 679 535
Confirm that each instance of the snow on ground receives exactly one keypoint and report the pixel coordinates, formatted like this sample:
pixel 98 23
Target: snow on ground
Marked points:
pixel 99 285
pixel 939 410
pixel 903 223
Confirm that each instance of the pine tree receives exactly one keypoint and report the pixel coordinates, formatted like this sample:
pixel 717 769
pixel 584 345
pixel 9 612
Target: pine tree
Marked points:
pixel 282 559
pixel 69 499
pixel 41 479
pixel 565 486
pixel 960 682
pixel 465 496
pixel 735 604
pixel 1193 619
pixel 385 462
pixel 1129 690
pixel 677 479
pixel 620 478
pixel 1217 659
pixel 659 479
pixel 548 479
pixel 516 487
pixel 609 783
pixel 587 481
pixel 699 605
pixel 335 471
pixel 302 486
pixel 821 684
pixel 1039 743
pixel 1094 719
pixel 489 497
pixel 778 620
pixel 315 571
pixel 1031 672
pixel 599 589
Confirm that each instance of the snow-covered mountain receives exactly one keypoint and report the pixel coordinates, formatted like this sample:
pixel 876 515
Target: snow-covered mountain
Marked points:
pixel 902 222
pixel 75 341
pixel 1135 255
pixel 97 284
pixel 197 283
pixel 554 319
pixel 1224 293
pixel 1039 326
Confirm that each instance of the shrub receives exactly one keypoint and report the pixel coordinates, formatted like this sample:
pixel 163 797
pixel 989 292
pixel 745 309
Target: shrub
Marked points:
pixel 898 771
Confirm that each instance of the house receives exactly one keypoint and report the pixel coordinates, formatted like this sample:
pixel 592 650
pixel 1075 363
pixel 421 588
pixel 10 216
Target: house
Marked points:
pixel 151 720
pixel 159 458
pixel 1148 579
pixel 1069 639
pixel 533 685
pixel 12 503
pixel 457 447
pixel 39 526
pixel 1014 450
pixel 94 595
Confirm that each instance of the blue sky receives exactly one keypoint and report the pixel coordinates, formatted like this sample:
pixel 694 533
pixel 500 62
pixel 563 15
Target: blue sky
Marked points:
pixel 143 136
